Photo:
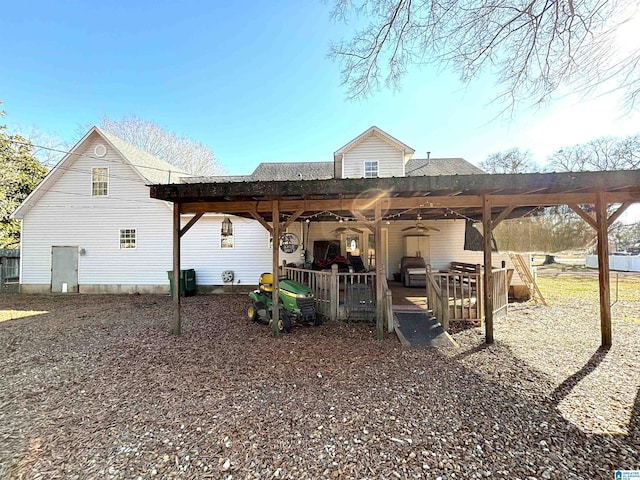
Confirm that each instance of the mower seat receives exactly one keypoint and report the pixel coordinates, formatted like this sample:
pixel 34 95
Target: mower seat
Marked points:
pixel 266 282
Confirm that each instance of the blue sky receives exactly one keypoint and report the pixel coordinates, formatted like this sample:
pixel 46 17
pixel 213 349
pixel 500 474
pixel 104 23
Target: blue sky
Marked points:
pixel 251 80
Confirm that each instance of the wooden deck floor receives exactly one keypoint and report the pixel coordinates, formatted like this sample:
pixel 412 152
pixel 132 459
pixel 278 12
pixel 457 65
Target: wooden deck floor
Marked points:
pixel 408 298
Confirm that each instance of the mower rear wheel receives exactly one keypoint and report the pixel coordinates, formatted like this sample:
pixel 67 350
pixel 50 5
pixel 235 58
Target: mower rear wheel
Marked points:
pixel 318 320
pixel 252 313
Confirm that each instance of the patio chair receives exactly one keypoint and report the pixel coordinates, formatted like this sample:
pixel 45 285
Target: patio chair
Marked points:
pixel 413 272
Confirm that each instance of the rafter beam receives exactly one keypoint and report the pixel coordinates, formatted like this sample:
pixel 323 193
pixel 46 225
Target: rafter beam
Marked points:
pixel 504 214
pixel 362 219
pixel 584 215
pixel 191 223
pixel 262 221
pixel 292 219
pixel 615 215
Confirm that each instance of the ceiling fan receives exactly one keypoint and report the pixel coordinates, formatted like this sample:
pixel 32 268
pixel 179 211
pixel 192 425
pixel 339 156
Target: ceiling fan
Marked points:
pixel 346 229
pixel 420 226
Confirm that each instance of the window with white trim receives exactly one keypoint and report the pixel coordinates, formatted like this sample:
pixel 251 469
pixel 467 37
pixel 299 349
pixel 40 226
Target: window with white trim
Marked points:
pixel 371 169
pixel 99 181
pixel 127 238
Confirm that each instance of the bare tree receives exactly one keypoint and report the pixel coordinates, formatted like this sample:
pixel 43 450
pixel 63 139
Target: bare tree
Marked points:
pixel 184 152
pixel 604 153
pixel 47 148
pixel 533 47
pixel 513 160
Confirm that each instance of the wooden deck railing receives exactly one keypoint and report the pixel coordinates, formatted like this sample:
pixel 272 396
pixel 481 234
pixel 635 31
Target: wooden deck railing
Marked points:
pixel 459 297
pixel 320 283
pixel 388 303
pixel 330 288
pixel 437 302
pixel 500 290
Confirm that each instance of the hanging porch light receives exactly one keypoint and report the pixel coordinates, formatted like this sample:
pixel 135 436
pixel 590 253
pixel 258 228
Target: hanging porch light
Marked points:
pixel 227 228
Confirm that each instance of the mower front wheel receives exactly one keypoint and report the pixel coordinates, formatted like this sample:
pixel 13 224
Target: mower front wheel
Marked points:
pixel 284 322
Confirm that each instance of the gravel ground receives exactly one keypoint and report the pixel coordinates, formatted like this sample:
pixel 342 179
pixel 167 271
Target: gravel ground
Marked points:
pixel 98 388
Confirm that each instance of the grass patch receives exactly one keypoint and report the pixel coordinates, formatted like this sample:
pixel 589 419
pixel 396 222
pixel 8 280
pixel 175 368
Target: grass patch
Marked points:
pixel 13 314
pixel 586 288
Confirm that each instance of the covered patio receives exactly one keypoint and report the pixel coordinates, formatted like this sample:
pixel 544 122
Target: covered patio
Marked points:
pixel 372 201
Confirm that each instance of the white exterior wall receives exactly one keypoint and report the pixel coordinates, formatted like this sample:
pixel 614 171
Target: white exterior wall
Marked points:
pixel 249 257
pixel 446 246
pixel 67 215
pixel 390 159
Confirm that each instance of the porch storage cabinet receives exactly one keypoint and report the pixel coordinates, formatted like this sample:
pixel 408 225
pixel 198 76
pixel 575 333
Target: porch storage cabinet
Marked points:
pixel 417 246
pixel 187 282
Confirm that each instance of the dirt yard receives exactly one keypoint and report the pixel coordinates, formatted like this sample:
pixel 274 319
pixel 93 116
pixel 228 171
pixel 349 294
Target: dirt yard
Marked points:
pixel 96 387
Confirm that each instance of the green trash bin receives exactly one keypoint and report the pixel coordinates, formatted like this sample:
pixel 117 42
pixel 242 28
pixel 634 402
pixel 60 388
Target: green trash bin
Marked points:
pixel 187 282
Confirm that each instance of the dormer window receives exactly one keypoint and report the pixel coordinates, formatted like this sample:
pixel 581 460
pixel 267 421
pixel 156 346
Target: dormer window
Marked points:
pixel 99 182
pixel 371 169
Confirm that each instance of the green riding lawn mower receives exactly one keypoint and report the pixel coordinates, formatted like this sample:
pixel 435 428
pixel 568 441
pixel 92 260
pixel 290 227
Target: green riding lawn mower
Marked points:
pixel 296 303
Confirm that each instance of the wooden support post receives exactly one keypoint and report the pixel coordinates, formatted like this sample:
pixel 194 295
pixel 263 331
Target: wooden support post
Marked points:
pixel 177 328
pixel 488 275
pixel 334 293
pixel 275 312
pixel 603 269
pixel 379 273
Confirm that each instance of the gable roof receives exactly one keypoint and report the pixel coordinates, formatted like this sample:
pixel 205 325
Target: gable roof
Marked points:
pixel 270 171
pixel 423 167
pixel 292 171
pixel 150 169
pixel 407 150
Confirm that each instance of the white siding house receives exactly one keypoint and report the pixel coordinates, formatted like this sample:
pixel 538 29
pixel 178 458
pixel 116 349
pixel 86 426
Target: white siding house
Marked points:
pixel 91 226
pixel 374 153
pixel 117 238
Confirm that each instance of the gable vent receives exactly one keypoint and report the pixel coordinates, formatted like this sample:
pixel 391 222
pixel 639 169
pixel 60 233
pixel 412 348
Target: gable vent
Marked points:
pixel 100 150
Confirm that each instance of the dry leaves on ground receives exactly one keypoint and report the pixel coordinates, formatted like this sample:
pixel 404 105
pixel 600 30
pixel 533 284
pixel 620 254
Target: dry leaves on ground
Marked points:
pixel 98 388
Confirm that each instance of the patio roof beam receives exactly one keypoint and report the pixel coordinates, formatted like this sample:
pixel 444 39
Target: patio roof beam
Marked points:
pixel 360 204
pixel 483 184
